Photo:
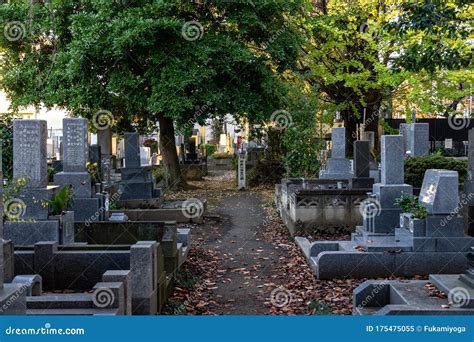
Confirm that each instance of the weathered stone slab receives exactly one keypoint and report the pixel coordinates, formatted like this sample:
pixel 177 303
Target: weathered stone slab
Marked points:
pixel 75 144
pixel 132 150
pixel 361 159
pixel 29 152
pixel 338 139
pixel 392 159
pixel 419 139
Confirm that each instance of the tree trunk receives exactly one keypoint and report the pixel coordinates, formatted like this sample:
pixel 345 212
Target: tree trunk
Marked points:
pixel 174 178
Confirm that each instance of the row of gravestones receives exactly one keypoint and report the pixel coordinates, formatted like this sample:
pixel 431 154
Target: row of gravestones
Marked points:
pixel 391 243
pixel 135 277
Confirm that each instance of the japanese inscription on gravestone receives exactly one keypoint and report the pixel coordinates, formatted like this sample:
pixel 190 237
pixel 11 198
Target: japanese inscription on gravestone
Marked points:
pixel 75 144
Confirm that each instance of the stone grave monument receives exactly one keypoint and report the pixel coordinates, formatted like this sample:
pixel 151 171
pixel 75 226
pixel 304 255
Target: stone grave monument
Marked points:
pixel 440 233
pixel 12 298
pixel 337 167
pixel 418 139
pixel 362 179
pixel 86 203
pixel 435 244
pixel 31 222
pixel 137 181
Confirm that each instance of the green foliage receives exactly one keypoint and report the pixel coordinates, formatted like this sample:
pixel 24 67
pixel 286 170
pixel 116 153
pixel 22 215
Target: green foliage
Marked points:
pixel 409 204
pixel 51 173
pixel 210 149
pixel 12 207
pixel 61 201
pixel 94 171
pixel 145 59
pixel 320 308
pixel 158 174
pixel 406 202
pixel 6 144
pixel 265 172
pixel 415 168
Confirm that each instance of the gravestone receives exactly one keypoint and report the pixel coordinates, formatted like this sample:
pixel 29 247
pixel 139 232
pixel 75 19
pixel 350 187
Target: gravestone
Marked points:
pixel 75 157
pixel 132 150
pixel 419 139
pixel 403 128
pixel 137 181
pixel 362 179
pixel 337 167
pixel 29 152
pixel 370 137
pixel 439 193
pixel 390 188
pixel 33 224
pixel 12 296
pixel 86 203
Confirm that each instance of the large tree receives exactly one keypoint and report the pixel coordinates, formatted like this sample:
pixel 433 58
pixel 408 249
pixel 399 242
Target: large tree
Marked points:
pixel 363 53
pixel 150 64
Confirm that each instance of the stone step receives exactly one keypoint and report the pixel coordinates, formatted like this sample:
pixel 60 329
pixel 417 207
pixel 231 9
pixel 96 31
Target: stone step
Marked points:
pixel 60 301
pixel 71 312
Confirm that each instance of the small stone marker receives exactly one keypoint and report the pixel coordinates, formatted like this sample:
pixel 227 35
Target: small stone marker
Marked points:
pixel 242 171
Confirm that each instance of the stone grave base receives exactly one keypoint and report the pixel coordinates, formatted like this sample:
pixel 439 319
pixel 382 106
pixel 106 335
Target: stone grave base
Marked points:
pixel 88 210
pixel 410 297
pixel 80 181
pixel 386 257
pixel 220 163
pixel 152 203
pixel 12 300
pixel 169 211
pixel 29 233
pixel 92 268
pixel 194 172
pixel 136 189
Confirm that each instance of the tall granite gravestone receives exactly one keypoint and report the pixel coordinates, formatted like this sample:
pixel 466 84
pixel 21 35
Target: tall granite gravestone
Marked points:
pixel 337 167
pixel 418 139
pixel 362 179
pixel 137 181
pixel 86 204
pixel 12 296
pixel 391 187
pixel 32 222
pixel 75 157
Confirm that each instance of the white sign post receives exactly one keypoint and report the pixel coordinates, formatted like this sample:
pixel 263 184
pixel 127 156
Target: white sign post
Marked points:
pixel 241 171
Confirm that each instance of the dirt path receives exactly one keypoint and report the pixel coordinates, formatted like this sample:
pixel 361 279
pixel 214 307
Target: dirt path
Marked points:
pixel 243 261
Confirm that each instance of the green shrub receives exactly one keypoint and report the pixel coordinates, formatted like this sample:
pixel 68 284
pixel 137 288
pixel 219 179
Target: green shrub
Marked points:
pixel 221 155
pixel 62 201
pixel 210 149
pixel 415 168
pixel 409 204
pixel 265 172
